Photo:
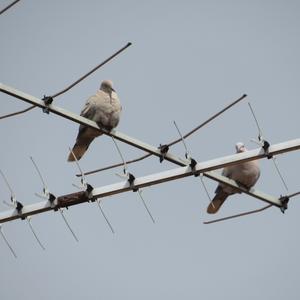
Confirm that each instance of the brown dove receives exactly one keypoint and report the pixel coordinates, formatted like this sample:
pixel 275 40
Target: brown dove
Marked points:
pixel 104 108
pixel 245 174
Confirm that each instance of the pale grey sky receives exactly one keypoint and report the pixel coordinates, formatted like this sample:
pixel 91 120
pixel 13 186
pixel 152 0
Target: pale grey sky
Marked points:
pixel 188 60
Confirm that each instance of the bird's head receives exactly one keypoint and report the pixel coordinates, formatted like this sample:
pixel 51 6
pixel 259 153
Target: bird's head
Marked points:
pixel 240 147
pixel 107 86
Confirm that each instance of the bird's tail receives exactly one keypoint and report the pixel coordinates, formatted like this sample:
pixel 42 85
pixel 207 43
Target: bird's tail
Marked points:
pixel 79 150
pixel 217 202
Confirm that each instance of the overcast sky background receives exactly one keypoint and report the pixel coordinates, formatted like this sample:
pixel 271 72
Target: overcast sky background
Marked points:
pixel 188 60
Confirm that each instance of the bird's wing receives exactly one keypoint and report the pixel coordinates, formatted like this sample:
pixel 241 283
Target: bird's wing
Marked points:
pixel 88 110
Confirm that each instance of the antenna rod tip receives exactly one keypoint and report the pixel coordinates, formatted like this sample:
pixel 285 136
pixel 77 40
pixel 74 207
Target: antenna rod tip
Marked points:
pixel 129 44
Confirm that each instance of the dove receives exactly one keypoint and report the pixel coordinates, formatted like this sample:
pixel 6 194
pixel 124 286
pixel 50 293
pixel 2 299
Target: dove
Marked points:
pixel 104 108
pixel 245 174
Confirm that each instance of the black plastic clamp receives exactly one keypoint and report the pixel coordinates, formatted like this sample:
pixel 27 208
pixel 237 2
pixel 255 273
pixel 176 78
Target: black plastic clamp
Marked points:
pixel 47 100
pixel 19 207
pixel 131 180
pixel 266 146
pixel 88 191
pixel 163 150
pixel 192 165
pixel 284 201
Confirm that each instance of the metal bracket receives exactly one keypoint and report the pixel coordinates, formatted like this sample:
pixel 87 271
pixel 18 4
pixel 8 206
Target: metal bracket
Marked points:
pixel 48 101
pixel 163 150
pixel 192 165
pixel 284 200
pixel 131 179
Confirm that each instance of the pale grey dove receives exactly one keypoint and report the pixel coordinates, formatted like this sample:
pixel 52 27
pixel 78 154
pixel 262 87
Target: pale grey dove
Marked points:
pixel 245 174
pixel 104 108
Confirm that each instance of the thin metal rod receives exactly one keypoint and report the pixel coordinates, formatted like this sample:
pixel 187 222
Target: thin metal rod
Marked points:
pixel 34 233
pixel 68 225
pixel 13 197
pixel 7 243
pixel 145 205
pixel 260 137
pixel 256 121
pixel 9 6
pixel 91 71
pixel 210 119
pixel 279 173
pixel 73 84
pixel 104 216
pixel 187 153
pixel 78 166
pixel 173 142
pixel 293 195
pixel 246 213
pixel 116 165
pixel 120 153
pixel 17 112
pixel 39 173
pixel 205 189
pixel 239 215
pixel 125 172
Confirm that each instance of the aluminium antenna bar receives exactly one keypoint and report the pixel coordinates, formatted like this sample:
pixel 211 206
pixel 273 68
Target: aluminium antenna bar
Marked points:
pixel 249 155
pixel 157 178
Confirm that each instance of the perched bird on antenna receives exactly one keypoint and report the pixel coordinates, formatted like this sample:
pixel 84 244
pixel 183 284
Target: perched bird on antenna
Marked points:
pixel 104 108
pixel 245 174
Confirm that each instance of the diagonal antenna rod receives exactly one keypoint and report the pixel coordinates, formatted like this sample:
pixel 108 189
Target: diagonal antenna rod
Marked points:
pixel 39 173
pixel 279 173
pixel 187 153
pixel 8 6
pixel 127 174
pixel 239 215
pixel 104 216
pixel 34 233
pixel 120 153
pixel 12 194
pixel 91 71
pixel 210 119
pixel 173 142
pixel 6 242
pixel 188 156
pixel 260 138
pixel 17 112
pixel 68 225
pixel 84 183
pixel 206 190
pixel 73 84
pixel 294 194
pixel 248 212
pixel 145 205
pixel 256 121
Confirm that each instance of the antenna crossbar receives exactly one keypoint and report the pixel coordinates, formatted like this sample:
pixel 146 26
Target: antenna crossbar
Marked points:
pixel 154 179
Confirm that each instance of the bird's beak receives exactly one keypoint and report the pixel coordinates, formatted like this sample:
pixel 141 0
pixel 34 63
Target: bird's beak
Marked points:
pixel 113 90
